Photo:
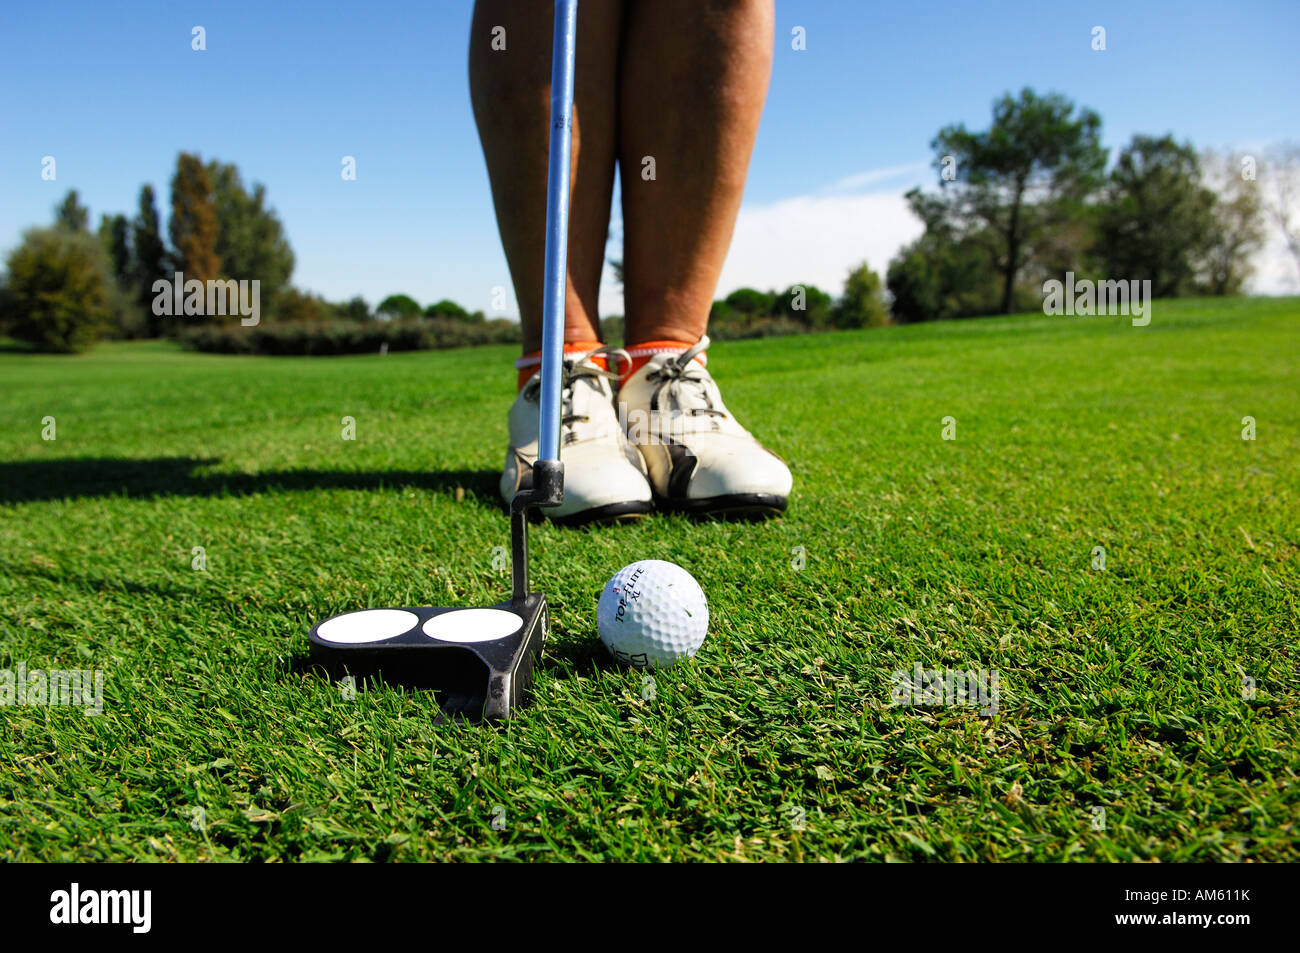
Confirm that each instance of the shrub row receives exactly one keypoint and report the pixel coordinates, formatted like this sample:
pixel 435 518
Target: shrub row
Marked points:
pixel 756 326
pixel 331 338
pixel 285 339
pixel 724 325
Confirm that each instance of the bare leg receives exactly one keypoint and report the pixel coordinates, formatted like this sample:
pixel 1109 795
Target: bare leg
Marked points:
pixel 510 90
pixel 694 77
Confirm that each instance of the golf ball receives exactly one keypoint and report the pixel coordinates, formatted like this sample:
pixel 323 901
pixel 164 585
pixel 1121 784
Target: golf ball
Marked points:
pixel 652 614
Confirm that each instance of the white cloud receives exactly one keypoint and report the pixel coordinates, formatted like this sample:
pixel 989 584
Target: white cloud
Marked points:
pixel 858 180
pixel 818 238
pixel 815 238
pixel 1275 268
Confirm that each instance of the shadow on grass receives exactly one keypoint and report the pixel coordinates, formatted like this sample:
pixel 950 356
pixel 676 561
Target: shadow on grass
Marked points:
pixel 29 481
pixel 454 685
pixel 576 658
pixel 84 581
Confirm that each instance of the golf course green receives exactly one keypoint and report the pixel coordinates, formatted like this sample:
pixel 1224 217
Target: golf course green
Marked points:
pixel 1097 533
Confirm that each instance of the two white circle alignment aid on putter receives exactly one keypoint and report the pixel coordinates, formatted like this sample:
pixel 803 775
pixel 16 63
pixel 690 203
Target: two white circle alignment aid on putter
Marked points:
pixel 458 625
pixel 651 614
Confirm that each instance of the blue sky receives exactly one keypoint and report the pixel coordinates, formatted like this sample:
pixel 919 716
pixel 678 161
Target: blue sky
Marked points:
pixel 284 90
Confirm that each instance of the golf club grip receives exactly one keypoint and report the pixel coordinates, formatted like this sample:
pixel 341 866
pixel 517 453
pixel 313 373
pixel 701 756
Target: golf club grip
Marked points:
pixel 557 225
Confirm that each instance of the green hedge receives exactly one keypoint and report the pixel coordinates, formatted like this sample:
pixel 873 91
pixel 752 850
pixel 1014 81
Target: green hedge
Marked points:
pixel 724 325
pixel 755 326
pixel 347 337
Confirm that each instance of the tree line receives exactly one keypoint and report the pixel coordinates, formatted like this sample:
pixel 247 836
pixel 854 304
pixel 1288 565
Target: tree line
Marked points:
pixel 65 286
pixel 1028 199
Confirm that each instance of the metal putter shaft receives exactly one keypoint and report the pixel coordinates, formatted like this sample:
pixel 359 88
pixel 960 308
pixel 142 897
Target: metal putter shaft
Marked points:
pixel 480 660
pixel 548 472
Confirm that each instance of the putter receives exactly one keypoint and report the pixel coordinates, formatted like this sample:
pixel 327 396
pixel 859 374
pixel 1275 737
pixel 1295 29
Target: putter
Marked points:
pixel 480 660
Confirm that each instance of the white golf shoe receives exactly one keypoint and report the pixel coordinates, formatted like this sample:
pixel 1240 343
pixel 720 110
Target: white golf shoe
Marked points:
pixel 604 476
pixel 700 459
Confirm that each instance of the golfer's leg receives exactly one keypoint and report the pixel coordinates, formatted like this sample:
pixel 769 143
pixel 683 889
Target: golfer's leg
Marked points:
pixel 510 89
pixel 694 76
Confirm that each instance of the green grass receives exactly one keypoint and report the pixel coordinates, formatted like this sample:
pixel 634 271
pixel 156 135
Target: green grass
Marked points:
pixel 1120 689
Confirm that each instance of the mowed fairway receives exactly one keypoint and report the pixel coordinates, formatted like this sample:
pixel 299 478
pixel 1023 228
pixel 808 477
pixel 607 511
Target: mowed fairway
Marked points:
pixel 1147 710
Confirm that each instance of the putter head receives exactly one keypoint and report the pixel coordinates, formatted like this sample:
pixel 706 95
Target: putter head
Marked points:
pixel 482 659
pixel 478 661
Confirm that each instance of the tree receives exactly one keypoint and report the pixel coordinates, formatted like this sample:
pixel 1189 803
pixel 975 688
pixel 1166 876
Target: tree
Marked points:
pixel 114 232
pixel 916 287
pixel 301 307
pixel 451 310
pixel 1006 187
pixel 354 309
pixel 806 304
pixel 1157 216
pixel 58 294
pixel 398 306
pixel 193 225
pixel 251 243
pixel 753 303
pixel 863 304
pixel 1237 230
pixel 937 277
pixel 1282 193
pixel 71 214
pixel 150 258
pixel 128 318
pixel 945 272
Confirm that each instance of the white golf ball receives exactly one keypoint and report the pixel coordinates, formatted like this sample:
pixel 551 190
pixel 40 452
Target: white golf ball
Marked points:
pixel 652 614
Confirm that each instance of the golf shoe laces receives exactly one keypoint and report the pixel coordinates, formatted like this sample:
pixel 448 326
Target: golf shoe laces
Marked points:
pixel 682 376
pixel 576 367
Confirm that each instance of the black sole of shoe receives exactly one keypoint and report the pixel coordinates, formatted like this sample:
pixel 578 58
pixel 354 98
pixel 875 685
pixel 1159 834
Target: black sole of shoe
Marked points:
pixel 604 515
pixel 742 507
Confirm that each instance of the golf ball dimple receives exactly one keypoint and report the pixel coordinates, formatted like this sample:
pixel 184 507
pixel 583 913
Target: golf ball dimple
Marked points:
pixel 652 614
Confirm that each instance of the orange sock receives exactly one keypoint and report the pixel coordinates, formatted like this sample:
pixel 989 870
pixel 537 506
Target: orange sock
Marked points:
pixel 528 364
pixel 641 354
